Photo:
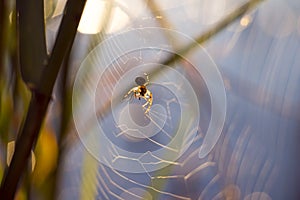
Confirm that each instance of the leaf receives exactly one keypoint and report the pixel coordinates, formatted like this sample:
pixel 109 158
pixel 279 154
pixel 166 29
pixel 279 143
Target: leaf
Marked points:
pixel 32 44
pixel 6 112
pixel 46 153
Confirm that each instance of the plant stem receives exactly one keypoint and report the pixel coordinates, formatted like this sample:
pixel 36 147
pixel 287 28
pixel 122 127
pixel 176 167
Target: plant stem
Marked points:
pixel 63 44
pixel 35 115
pixel 40 98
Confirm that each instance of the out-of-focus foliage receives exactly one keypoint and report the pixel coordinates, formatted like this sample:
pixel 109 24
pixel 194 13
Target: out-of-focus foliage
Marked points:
pixel 10 152
pixel 6 114
pixel 46 152
pixel 14 101
pixel 21 194
pixel 14 95
pixel 49 8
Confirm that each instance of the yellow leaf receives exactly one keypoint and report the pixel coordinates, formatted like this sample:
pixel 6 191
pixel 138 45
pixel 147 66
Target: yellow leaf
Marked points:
pixel 46 155
pixel 21 194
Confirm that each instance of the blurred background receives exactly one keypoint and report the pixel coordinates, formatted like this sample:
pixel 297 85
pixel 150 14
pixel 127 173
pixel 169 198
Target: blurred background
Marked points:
pixel 256 58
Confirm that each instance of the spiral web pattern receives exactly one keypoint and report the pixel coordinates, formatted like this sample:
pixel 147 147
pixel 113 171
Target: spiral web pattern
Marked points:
pixel 124 137
pixel 255 156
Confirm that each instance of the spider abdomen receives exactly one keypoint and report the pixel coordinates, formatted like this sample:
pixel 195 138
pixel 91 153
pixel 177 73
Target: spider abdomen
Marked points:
pixel 143 90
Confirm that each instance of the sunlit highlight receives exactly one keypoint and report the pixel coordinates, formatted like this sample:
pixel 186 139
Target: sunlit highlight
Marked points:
pixel 119 19
pixel 92 18
pixel 11 17
pixel 10 153
pixel 59 8
pixel 245 21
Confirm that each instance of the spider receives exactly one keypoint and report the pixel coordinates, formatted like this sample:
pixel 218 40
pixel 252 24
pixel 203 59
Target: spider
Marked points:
pixel 141 91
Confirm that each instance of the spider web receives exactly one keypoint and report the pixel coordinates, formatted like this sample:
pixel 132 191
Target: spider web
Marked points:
pixel 243 164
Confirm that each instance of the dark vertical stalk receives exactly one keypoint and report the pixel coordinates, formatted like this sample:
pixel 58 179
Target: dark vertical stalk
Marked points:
pixel 41 97
pixel 37 109
pixel 31 40
pixel 2 28
pixel 3 32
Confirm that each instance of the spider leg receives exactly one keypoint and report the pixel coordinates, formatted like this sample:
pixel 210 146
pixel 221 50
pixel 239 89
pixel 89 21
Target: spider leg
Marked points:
pixel 128 93
pixel 146 103
pixel 149 106
pixel 149 101
pixel 147 79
